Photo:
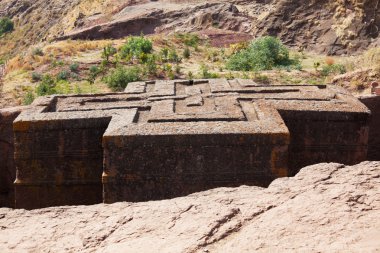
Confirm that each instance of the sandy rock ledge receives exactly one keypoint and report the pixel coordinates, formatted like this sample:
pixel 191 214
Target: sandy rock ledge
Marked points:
pixel 325 208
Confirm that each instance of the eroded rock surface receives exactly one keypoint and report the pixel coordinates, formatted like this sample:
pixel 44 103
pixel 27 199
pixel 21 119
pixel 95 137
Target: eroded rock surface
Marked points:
pixel 324 26
pixel 7 166
pixel 326 207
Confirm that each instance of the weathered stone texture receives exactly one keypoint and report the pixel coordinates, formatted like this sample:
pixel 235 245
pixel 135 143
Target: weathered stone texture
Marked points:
pixel 165 139
pixel 166 157
pixel 59 162
pixel 7 167
pixel 328 137
pixel 373 103
pixel 324 208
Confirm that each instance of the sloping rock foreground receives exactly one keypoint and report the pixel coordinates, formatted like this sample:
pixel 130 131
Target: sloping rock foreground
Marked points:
pixel 325 208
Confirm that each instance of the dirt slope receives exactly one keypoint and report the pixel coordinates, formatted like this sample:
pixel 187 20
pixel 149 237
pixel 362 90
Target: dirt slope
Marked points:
pixel 323 26
pixel 325 208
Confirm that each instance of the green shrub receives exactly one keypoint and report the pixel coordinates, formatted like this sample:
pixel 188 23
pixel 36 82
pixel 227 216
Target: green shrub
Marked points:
pixel 6 25
pixel 164 54
pixel 150 64
pixel 212 55
pixel 261 79
pixel 230 75
pixel 63 75
pixel 135 46
pixel 169 55
pixel 119 78
pixel 298 66
pixel 57 63
pixel 220 67
pixel 245 75
pixel 173 56
pixel 74 67
pixel 75 76
pixel 205 73
pixel 28 98
pixel 143 57
pixel 190 75
pixel 36 77
pixel 94 71
pixel 242 61
pixel 333 69
pixel 262 54
pixel 108 52
pixel 38 51
pixel 186 53
pixel 189 39
pixel 63 87
pixel 167 67
pixel 177 69
pixel 316 66
pixel 171 75
pixel 46 86
pixel 78 90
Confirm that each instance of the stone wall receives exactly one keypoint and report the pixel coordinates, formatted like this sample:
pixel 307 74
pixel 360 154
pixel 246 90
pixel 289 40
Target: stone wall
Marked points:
pixel 7 167
pixel 326 137
pixel 373 103
pixel 165 139
pixel 59 162
pixel 165 159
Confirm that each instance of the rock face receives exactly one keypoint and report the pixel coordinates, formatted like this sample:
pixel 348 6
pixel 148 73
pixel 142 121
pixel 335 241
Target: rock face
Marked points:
pixel 325 208
pixel 7 166
pixel 324 26
pixel 165 139
pixel 373 103
pixel 329 27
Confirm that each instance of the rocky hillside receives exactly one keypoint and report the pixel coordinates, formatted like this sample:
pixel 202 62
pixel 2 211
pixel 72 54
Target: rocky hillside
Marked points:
pixel 325 208
pixel 323 26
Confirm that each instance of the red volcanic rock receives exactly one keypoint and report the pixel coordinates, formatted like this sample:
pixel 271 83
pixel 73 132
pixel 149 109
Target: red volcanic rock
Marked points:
pixel 7 166
pixel 166 139
pixel 325 208
pixel 375 89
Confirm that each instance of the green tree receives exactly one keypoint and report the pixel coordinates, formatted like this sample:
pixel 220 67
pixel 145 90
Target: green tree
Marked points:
pixel 135 46
pixel 262 54
pixel 108 52
pixel 151 65
pixel 46 86
pixel 94 71
pixel 6 25
pixel 119 78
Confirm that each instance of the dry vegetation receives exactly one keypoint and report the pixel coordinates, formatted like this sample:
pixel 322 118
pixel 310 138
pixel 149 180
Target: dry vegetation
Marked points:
pixel 24 71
